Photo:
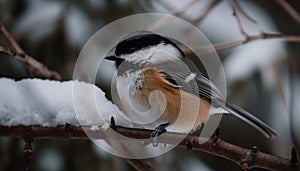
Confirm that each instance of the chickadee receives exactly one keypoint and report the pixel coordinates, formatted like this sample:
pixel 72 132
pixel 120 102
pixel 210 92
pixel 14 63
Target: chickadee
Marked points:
pixel 141 61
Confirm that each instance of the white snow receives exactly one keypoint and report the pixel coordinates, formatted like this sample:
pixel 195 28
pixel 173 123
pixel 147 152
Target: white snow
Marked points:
pixel 52 103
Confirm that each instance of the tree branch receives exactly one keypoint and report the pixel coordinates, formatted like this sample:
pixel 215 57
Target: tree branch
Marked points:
pixel 289 9
pixel 240 14
pixel 162 21
pixel 34 67
pixel 244 157
pixel 263 36
pixel 139 165
pixel 198 20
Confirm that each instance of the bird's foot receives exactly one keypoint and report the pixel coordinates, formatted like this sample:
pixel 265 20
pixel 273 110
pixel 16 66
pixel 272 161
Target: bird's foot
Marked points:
pixel 157 132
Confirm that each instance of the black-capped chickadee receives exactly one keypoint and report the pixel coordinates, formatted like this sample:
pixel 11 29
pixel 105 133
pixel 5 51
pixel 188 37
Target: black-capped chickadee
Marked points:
pixel 148 63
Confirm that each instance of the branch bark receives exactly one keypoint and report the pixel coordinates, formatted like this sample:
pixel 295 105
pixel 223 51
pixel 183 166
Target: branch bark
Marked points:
pixel 34 67
pixel 220 148
pixel 289 9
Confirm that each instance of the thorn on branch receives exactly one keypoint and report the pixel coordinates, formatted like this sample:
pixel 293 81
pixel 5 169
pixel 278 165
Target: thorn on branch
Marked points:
pixel 245 166
pixel 249 158
pixel 27 147
pixel 217 136
pixel 254 151
pixel 112 123
pixel 294 158
pixel 263 35
pixel 69 127
pixel 189 145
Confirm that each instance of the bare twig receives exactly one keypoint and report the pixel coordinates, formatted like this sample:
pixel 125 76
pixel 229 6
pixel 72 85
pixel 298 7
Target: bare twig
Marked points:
pixel 236 14
pixel 35 67
pixel 240 14
pixel 198 20
pixel 263 36
pixel 222 149
pixel 278 82
pixel 10 39
pixel 139 165
pixel 292 110
pixel 176 13
pixel 289 9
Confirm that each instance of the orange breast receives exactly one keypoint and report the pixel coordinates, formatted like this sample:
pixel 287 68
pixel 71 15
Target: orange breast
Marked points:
pixel 182 109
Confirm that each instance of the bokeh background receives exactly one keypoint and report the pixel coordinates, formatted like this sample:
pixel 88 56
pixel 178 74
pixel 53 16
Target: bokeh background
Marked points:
pixel 262 76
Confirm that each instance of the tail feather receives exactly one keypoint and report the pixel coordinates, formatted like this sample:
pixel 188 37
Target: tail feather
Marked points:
pixel 250 119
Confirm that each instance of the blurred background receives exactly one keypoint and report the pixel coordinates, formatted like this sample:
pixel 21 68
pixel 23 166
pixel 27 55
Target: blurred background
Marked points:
pixel 262 76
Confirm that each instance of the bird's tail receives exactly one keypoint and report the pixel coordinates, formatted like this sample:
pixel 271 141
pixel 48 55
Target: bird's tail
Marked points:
pixel 250 119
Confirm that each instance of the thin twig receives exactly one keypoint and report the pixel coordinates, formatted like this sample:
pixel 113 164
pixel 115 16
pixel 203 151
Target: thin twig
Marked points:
pixel 162 21
pixel 292 111
pixel 139 165
pixel 34 67
pixel 289 9
pixel 222 149
pixel 198 20
pixel 240 14
pixel 236 14
pixel 263 36
pixel 10 39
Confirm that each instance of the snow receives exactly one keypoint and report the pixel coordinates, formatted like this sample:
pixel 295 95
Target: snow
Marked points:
pixel 52 103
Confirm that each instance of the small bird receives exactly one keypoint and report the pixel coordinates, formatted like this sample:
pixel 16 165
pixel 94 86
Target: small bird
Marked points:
pixel 155 86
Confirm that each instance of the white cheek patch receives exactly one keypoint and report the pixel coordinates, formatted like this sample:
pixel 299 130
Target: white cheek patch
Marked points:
pixel 190 78
pixel 154 54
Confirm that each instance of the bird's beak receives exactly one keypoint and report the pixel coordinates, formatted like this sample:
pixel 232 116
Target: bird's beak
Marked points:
pixel 117 60
pixel 111 58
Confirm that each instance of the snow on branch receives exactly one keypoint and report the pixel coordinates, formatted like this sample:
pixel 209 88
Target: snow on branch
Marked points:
pixel 37 109
pixel 246 158
pixel 51 103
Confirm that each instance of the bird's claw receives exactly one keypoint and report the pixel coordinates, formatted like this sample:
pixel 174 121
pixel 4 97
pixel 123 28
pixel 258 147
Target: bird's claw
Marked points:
pixel 157 132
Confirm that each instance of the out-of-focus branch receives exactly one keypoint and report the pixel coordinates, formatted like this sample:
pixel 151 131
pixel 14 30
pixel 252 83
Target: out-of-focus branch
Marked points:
pixel 10 39
pixel 139 165
pixel 249 158
pixel 236 14
pixel 263 36
pixel 176 13
pixel 240 15
pixel 289 9
pixel 34 67
pixel 198 20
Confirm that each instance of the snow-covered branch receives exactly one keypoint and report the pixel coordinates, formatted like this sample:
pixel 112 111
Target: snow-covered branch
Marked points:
pixel 250 158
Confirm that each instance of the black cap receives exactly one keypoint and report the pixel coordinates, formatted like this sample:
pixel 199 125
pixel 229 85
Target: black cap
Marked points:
pixel 140 40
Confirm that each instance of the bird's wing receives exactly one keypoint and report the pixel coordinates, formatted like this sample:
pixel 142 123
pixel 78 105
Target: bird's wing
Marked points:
pixel 204 88
pixel 195 83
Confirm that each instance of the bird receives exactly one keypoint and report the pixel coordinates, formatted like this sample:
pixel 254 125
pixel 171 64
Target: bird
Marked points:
pixel 155 86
